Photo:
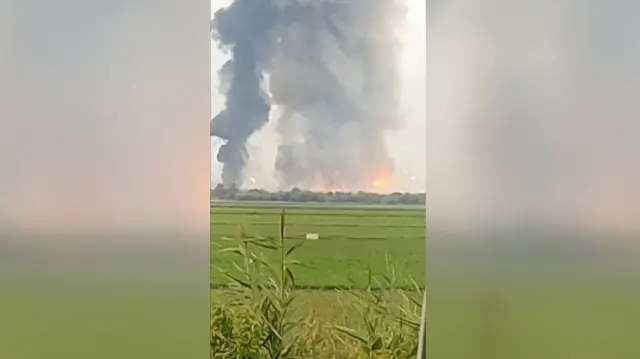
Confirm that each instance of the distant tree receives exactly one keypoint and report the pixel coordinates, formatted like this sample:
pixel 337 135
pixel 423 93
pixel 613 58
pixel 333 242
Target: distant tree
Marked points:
pixel 297 195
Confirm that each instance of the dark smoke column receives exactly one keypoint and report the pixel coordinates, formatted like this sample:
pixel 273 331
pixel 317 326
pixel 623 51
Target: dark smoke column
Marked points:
pixel 245 29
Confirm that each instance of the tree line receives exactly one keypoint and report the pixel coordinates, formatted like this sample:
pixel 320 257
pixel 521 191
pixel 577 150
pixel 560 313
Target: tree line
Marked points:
pixel 221 192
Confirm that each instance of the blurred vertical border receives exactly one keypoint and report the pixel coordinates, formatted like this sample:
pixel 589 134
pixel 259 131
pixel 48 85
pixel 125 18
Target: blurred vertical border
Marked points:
pixel 533 179
pixel 104 179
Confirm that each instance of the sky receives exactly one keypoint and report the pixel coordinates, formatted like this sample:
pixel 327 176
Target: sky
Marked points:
pixel 406 146
pixel 89 109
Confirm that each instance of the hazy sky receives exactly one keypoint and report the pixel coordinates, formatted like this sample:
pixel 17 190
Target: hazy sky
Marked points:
pixel 103 113
pixel 407 146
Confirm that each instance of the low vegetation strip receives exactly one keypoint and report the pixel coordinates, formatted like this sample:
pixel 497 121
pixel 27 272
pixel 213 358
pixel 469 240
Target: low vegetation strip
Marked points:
pixel 420 226
pixel 325 288
pixel 326 212
pixel 220 193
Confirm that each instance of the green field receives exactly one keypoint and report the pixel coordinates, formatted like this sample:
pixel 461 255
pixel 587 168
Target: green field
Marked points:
pixel 355 243
pixel 353 240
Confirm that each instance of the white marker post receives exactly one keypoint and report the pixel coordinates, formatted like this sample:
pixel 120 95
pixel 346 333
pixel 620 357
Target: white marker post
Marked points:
pixel 312 236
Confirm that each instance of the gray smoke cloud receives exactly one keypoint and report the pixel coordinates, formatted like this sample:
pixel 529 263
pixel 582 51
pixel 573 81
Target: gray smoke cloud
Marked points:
pixel 332 73
pixel 245 28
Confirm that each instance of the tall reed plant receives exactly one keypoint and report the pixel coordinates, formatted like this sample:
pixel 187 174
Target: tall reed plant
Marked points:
pixel 257 316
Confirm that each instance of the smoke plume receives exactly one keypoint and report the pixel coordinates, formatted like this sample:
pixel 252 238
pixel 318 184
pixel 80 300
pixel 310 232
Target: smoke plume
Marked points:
pixel 332 76
pixel 245 29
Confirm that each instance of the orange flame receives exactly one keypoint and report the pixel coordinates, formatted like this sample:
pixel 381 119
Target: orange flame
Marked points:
pixel 376 181
pixel 381 181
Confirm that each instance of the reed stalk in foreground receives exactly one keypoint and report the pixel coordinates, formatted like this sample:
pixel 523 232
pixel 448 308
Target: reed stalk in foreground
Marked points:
pixel 260 320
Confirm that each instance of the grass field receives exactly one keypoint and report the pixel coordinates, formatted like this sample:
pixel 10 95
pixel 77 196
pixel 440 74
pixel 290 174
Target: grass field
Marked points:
pixel 335 315
pixel 353 240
